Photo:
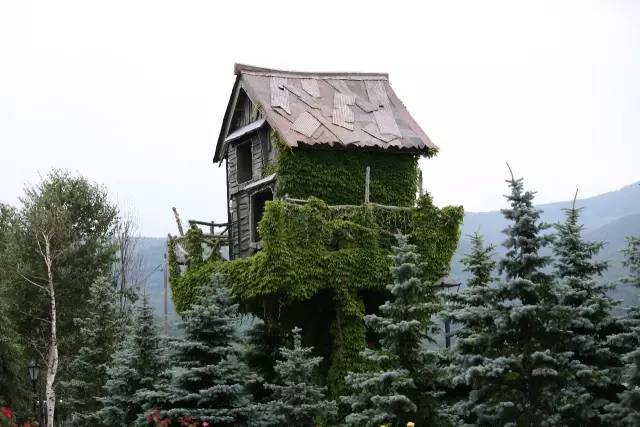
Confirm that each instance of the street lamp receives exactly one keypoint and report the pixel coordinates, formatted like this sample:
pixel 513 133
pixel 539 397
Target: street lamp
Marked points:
pixel 33 376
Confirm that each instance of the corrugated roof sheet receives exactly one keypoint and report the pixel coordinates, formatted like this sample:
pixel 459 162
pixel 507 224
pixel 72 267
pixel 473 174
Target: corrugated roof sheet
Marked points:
pixel 337 109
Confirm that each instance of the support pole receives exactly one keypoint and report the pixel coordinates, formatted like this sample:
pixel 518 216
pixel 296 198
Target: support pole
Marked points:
pixel 420 190
pixel 367 181
pixel 166 288
pixel 178 222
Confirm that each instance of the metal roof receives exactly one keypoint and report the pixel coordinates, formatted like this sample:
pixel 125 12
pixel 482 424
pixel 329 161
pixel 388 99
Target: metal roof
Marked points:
pixel 336 110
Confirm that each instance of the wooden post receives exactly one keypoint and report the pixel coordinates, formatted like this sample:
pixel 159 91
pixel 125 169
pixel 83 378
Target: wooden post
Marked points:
pixel 178 222
pixel 420 190
pixel 367 181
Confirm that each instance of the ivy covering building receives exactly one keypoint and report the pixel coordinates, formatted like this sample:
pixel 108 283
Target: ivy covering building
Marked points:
pixel 322 172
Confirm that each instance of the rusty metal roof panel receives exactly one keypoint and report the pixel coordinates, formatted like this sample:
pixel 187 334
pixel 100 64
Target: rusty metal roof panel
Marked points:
pixel 358 110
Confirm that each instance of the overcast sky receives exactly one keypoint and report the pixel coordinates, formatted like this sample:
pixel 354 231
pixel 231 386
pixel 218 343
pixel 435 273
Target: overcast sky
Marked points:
pixel 131 94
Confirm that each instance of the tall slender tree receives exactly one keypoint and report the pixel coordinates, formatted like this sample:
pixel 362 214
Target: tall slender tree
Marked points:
pixel 12 387
pixel 62 244
pixel 208 378
pixel 99 332
pixel 597 359
pixel 472 312
pixel 296 400
pixel 133 371
pixel 626 412
pixel 516 371
pixel 403 373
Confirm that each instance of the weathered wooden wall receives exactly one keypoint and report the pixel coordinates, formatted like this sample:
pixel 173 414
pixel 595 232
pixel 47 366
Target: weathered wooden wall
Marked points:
pixel 261 155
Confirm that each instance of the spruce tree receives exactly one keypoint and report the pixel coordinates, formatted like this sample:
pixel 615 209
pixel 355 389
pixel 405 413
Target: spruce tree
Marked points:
pixel 402 373
pixel 98 333
pixel 13 390
pixel 468 309
pixel 296 400
pixel 597 359
pixel 133 371
pixel 208 378
pixel 472 313
pixel 379 395
pixel 514 368
pixel 626 412
pixel 631 255
pixel 263 343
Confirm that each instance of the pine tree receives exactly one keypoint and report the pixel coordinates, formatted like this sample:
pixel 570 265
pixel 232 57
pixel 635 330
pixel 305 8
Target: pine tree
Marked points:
pixel 626 412
pixel 597 359
pixel 12 379
pixel 379 395
pixel 472 312
pixel 208 378
pixel 133 371
pixel 632 261
pixel 98 333
pixel 263 343
pixel 514 368
pixel 296 400
pixel 402 372
pixel 469 307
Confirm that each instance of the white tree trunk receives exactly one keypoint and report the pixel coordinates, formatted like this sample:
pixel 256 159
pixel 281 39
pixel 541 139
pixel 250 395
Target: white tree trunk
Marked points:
pixel 52 356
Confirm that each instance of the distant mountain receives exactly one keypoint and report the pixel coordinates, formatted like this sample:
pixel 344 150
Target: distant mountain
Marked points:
pixel 608 217
pixel 152 249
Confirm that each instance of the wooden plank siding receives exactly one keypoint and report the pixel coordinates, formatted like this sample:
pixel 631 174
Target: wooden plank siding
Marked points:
pixel 262 154
pixel 245 113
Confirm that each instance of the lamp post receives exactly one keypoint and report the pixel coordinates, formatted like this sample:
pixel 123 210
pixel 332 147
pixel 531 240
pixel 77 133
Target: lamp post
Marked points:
pixel 447 282
pixel 33 376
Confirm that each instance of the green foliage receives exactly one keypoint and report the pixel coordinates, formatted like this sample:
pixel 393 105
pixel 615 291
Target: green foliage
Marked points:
pixel 379 394
pixel 337 177
pixel 397 381
pixel 311 249
pixel 596 357
pixel 334 259
pixel 98 333
pixel 626 411
pixel 134 369
pixel 78 219
pixel 296 400
pixel 193 244
pixel 12 387
pixel 513 359
pixel 631 255
pixel 263 343
pixel 207 377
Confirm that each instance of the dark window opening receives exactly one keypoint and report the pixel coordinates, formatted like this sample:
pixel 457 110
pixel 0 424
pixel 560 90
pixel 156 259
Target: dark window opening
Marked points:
pixel 258 201
pixel 244 162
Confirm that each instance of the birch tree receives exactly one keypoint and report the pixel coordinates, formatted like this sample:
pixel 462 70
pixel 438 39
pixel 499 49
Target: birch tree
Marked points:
pixel 64 235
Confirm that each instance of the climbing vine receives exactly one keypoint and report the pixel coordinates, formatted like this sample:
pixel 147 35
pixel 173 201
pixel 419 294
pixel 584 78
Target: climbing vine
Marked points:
pixel 338 177
pixel 322 266
pixel 338 258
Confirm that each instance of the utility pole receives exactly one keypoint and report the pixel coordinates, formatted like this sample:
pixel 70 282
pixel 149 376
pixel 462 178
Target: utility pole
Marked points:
pixel 166 288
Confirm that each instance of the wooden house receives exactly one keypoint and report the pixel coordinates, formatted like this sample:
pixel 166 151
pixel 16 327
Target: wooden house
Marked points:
pixel 341 112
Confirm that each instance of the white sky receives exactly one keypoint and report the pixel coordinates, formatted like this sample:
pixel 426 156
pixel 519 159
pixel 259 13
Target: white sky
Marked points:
pixel 131 93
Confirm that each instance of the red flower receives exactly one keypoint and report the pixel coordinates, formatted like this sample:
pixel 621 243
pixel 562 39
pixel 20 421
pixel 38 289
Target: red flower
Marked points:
pixel 7 412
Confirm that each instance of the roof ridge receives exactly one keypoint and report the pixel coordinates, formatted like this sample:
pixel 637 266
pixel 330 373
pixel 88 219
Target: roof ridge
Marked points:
pixel 270 72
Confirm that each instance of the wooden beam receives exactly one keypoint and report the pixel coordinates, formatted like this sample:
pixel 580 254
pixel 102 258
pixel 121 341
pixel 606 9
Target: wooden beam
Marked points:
pixel 376 205
pixel 367 182
pixel 178 223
